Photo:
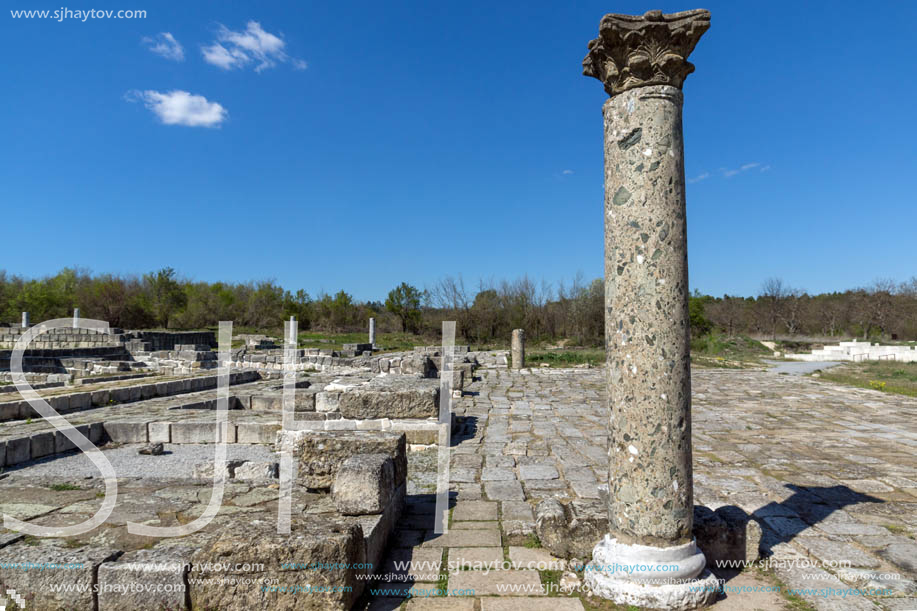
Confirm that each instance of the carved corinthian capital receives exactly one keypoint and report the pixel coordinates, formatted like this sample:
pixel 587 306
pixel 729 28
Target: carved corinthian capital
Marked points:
pixel 634 51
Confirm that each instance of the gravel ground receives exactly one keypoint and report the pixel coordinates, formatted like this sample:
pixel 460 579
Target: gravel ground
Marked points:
pixel 177 462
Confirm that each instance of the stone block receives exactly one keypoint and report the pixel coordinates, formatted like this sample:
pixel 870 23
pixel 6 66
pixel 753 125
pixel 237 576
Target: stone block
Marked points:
pixel 100 398
pixel 10 411
pixel 364 484
pixel 160 432
pixel 54 590
pixel 120 395
pixel 374 402
pixel 97 432
pixel 202 432
pixel 79 401
pixel 63 444
pixel 727 534
pixel 18 450
pixel 60 404
pixel 256 432
pixel 145 579
pixel 254 550
pixel 267 402
pixel 42 444
pixel 321 453
pixel 422 433
pixel 377 528
pixel 327 401
pixel 570 531
pixel 127 432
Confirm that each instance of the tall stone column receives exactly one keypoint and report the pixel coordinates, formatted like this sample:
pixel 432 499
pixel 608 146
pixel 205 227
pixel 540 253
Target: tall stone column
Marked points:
pixel 372 332
pixel 649 558
pixel 25 320
pixel 517 348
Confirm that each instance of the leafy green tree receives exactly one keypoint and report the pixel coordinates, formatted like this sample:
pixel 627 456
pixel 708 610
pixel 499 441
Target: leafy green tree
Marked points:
pixel 404 302
pixel 341 309
pixel 166 295
pixel 699 323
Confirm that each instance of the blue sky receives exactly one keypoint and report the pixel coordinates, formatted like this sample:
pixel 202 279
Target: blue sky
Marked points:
pixel 358 145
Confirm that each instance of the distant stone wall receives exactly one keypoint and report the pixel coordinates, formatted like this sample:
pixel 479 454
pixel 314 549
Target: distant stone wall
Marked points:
pixel 57 339
pixel 167 340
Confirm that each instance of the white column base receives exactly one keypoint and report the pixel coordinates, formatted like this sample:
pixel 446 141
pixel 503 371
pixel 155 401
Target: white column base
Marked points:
pixel 651 577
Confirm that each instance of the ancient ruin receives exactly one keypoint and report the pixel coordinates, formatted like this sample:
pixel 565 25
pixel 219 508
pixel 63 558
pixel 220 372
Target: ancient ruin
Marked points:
pixel 249 471
pixel 642 61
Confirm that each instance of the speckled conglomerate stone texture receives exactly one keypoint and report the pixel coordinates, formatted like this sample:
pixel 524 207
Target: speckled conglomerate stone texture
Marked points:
pixel 646 318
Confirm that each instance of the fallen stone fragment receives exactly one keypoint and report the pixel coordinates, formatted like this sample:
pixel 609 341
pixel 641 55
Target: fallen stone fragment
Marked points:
pixel 153 449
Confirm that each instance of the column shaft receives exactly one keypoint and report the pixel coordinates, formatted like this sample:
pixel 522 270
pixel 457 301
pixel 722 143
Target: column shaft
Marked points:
pixel 518 348
pixel 646 319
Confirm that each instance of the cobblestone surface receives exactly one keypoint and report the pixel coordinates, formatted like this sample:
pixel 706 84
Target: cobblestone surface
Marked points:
pixel 830 473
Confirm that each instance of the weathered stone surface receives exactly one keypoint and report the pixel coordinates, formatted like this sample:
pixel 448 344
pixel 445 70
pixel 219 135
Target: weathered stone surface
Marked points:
pixel 374 402
pixel 153 449
pixel 320 454
pixel 126 432
pixel 319 553
pixel 251 470
pixel 572 530
pixel 635 51
pixel 364 484
pixel 256 432
pixel 378 528
pixel 497 582
pixel 650 501
pixel 202 432
pixel 18 450
pixel 79 576
pixel 145 579
pixel 727 534
pixel 42 444
pixel 517 348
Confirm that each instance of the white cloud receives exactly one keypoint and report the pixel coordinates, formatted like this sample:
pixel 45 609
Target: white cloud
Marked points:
pixel 729 173
pixel 567 172
pixel 742 168
pixel 220 56
pixel 164 44
pixel 233 49
pixel 181 108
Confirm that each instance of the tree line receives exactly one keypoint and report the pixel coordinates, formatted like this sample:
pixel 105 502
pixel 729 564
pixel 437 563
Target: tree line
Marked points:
pixel 486 311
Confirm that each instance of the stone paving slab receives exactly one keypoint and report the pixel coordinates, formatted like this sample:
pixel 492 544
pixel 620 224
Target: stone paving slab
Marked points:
pixel 829 472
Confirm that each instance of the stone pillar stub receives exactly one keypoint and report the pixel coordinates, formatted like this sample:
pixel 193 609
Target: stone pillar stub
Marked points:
pixel 25 320
pixel 642 62
pixel 518 348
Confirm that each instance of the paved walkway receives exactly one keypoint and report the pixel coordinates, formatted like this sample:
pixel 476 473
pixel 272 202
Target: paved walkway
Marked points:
pixel 830 472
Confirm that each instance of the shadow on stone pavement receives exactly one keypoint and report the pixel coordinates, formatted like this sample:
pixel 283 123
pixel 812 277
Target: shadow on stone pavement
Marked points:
pixel 808 506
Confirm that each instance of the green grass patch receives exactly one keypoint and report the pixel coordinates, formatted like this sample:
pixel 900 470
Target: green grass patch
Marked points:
pixel 729 348
pixel 884 376
pixel 551 581
pixel 532 541
pixel 564 358
pixel 63 487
